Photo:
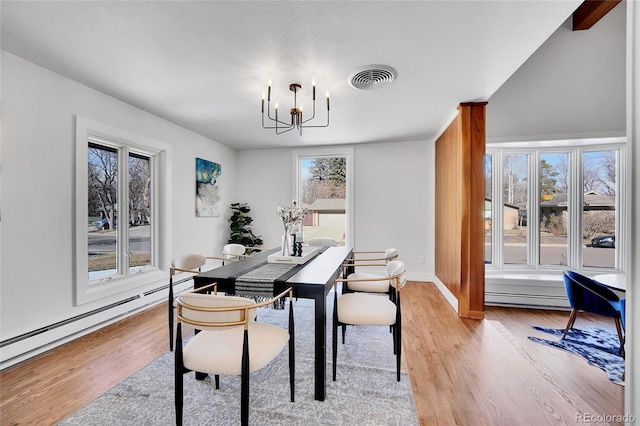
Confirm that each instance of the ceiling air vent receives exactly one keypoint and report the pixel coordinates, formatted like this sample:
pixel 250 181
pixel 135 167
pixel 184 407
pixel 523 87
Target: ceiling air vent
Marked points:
pixel 372 77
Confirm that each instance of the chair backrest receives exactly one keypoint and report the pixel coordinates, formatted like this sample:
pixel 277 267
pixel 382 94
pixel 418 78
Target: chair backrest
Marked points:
pixel 196 309
pixel 587 295
pixel 323 242
pixel 233 251
pixel 594 286
pixel 188 262
pixel 390 254
pixel 397 268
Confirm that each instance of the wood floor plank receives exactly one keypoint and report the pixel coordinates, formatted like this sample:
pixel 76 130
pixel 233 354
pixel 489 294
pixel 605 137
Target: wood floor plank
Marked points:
pixel 472 372
pixel 463 372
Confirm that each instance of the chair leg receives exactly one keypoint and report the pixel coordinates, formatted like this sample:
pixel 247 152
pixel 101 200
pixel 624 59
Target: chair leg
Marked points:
pixel 572 319
pixel 344 330
pixel 244 385
pixel 398 335
pixel 334 346
pixel 216 378
pixel 170 303
pixel 179 372
pixel 620 337
pixel 398 345
pixel 292 354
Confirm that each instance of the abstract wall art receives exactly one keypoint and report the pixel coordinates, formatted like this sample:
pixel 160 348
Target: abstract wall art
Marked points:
pixel 207 188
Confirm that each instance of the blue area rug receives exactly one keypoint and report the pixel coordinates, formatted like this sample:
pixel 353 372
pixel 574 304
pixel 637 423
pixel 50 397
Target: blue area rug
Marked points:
pixel 599 347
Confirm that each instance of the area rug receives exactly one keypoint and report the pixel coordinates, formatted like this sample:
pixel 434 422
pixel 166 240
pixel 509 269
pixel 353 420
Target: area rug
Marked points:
pixel 599 347
pixel 366 391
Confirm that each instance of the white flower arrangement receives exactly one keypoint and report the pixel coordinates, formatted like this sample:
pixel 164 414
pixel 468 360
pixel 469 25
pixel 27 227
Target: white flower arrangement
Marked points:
pixel 291 215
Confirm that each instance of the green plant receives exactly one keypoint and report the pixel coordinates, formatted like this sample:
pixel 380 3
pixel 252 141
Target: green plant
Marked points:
pixel 240 223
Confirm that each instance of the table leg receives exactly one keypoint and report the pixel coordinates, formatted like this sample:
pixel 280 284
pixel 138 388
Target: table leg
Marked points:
pixel 321 346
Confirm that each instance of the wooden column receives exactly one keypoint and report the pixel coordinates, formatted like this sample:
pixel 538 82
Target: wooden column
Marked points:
pixel 460 153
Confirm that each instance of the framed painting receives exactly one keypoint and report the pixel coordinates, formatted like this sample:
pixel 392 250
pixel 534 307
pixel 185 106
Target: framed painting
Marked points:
pixel 207 188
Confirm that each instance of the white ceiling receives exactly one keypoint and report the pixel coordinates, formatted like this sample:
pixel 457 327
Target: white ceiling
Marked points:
pixel 205 65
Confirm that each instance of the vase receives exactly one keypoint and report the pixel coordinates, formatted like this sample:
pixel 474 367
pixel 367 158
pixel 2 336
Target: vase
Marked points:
pixel 286 246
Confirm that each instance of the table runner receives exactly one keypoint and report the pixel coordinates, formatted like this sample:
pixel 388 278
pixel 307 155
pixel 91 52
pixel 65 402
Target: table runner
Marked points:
pixel 259 282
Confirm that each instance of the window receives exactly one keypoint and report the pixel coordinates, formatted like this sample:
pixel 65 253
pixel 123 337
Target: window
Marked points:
pixel 488 197
pixel 105 188
pixel 554 208
pixel 599 209
pixel 323 186
pixel 515 191
pixel 558 207
pixel 119 204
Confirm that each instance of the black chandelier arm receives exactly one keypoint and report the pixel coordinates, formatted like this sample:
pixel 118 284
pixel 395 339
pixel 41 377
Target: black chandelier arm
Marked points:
pixel 287 125
pixel 313 115
pixel 269 115
pixel 325 125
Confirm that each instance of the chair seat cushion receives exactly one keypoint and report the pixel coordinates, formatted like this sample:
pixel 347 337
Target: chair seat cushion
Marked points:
pixel 366 309
pixel 381 286
pixel 220 351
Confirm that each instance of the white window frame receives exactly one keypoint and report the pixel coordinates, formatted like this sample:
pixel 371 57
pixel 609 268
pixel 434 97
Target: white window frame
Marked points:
pixel 575 149
pixel 134 279
pixel 297 155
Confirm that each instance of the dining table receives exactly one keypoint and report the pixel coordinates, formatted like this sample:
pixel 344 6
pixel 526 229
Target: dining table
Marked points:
pixel 616 282
pixel 312 280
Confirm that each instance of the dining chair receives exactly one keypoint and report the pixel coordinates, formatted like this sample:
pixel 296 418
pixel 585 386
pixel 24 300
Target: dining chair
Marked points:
pixel 230 341
pixel 361 279
pixel 587 295
pixel 232 252
pixel 368 309
pixel 189 263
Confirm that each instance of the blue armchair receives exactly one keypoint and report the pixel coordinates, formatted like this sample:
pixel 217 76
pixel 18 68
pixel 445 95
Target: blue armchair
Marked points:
pixel 588 295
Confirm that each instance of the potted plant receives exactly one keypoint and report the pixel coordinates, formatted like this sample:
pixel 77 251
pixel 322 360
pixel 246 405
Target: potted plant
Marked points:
pixel 240 223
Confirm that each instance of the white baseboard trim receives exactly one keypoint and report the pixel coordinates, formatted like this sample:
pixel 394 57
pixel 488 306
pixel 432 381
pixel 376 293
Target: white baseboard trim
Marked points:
pixel 28 347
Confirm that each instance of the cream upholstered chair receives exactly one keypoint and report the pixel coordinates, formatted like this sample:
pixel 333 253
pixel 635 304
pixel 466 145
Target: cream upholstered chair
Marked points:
pixel 323 242
pixel 190 263
pixel 367 309
pixel 366 281
pixel 229 342
pixel 232 253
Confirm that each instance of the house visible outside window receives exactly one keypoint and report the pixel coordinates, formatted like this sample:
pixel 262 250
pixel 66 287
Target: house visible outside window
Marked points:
pixel 558 208
pixel 553 243
pixel 119 205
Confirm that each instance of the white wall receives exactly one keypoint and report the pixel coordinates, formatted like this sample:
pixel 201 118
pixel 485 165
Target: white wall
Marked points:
pixel 573 86
pixel 394 196
pixel 38 109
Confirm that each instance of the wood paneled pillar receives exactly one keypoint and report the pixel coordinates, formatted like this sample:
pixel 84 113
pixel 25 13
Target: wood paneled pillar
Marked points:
pixel 460 152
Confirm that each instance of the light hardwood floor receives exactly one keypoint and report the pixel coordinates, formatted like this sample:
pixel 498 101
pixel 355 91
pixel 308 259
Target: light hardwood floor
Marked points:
pixel 463 372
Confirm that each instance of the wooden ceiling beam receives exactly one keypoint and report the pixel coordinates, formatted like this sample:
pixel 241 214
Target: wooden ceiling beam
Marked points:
pixel 590 12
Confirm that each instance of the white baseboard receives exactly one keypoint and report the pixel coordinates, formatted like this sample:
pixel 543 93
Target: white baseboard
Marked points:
pixel 29 347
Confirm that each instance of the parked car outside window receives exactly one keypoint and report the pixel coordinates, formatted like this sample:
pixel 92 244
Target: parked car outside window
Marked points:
pixel 608 241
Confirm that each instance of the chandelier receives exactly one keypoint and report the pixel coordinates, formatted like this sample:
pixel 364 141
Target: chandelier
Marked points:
pixel 296 112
